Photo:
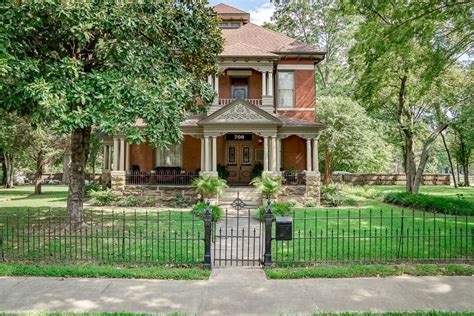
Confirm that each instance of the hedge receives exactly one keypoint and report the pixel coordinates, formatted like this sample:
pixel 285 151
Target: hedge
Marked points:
pixel 439 204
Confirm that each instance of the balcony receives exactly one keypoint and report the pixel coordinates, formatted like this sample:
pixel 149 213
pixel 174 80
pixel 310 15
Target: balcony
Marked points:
pixel 256 102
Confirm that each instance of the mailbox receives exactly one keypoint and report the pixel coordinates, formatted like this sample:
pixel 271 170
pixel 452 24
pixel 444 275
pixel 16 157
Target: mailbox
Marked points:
pixel 284 228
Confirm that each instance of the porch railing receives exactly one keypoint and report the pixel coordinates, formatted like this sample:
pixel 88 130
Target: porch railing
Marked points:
pixel 293 178
pixel 160 178
pixel 257 102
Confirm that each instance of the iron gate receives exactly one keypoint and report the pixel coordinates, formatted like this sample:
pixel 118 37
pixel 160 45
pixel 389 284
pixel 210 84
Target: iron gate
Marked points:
pixel 238 240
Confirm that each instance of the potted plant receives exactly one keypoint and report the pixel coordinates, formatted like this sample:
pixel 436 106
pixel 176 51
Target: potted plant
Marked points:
pixel 269 186
pixel 293 175
pixel 209 187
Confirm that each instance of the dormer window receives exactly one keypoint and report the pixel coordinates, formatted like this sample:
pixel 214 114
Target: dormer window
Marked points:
pixel 230 25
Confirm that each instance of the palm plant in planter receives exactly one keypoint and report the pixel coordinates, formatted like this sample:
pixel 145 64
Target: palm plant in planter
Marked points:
pixel 269 185
pixel 209 187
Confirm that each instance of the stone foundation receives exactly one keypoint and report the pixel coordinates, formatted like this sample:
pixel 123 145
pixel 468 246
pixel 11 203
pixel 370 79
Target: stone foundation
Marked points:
pixel 106 179
pixel 292 193
pixel 164 194
pixel 117 180
pixel 313 187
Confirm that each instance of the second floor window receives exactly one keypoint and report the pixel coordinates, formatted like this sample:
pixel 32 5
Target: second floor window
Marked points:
pixel 286 89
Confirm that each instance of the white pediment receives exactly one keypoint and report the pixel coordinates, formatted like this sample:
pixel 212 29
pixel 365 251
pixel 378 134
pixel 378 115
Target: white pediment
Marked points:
pixel 240 112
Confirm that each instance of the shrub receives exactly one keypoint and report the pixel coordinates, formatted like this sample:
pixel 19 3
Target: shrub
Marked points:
pixel 292 203
pixel 92 187
pixel 200 208
pixel 151 202
pixel 268 185
pixel 278 209
pixel 350 202
pixel 128 201
pixel 181 200
pixel 257 170
pixel 103 198
pixel 447 205
pixel 209 187
pixel 364 191
pixel 332 195
pixel 310 204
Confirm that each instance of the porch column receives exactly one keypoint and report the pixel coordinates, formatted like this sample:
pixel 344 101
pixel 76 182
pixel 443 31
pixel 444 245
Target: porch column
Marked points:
pixel 105 162
pixel 216 84
pixel 274 154
pixel 278 158
pixel 264 83
pixel 209 80
pixel 315 155
pixel 122 154
pixel 127 156
pixel 116 154
pixel 110 152
pixel 207 159
pixel 308 154
pixel 214 153
pixel 270 83
pixel 203 167
pixel 265 153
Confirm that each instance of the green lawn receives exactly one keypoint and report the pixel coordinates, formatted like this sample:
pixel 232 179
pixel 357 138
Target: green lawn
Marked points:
pixel 36 228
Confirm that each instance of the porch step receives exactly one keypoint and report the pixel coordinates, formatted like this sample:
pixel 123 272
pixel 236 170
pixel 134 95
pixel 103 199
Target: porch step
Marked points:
pixel 250 196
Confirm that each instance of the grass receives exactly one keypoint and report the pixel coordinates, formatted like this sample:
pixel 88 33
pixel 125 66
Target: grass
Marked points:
pixel 416 313
pixel 355 271
pixel 102 271
pixel 35 228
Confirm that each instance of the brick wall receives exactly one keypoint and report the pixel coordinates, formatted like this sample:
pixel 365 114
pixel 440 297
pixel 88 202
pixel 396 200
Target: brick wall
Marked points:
pixel 294 153
pixel 191 153
pixel 254 85
pixel 142 155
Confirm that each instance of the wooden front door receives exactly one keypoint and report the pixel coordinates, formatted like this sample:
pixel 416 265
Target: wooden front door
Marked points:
pixel 240 160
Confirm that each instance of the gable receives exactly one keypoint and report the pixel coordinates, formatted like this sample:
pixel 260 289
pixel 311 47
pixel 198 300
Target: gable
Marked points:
pixel 240 112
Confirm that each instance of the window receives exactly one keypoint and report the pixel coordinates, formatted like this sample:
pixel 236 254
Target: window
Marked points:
pixel 170 157
pixel 286 89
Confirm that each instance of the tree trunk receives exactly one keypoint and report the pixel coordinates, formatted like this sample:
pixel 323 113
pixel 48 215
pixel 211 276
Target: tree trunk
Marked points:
pixel 80 140
pixel 410 165
pixel 450 160
pixel 39 171
pixel 465 153
pixel 66 165
pixel 9 161
pixel 4 173
pixel 328 166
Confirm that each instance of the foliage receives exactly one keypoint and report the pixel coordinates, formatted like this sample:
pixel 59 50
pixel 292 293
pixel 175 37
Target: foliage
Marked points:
pixel 200 209
pixel 269 185
pixel 403 76
pixel 128 201
pixel 257 170
pixel 278 210
pixel 102 271
pixel 365 270
pixel 347 127
pixel 222 171
pixel 76 65
pixel 333 195
pixel 103 198
pixel 209 187
pixel 446 205
pixel 92 187
pixel 293 171
pixel 365 191
pixel 310 204
pixel 181 200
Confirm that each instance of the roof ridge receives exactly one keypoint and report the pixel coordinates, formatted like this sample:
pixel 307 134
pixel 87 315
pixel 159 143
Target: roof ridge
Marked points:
pixel 279 34
pixel 229 7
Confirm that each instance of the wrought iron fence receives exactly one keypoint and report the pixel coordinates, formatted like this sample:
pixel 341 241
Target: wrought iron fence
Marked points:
pixel 366 236
pixel 293 178
pixel 160 178
pixel 107 236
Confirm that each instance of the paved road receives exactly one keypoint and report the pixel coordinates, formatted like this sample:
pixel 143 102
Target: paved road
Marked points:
pixel 237 291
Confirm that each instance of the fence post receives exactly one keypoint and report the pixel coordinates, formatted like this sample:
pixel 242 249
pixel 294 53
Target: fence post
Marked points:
pixel 207 236
pixel 267 259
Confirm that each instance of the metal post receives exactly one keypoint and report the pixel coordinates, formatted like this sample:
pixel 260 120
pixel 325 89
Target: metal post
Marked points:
pixel 207 236
pixel 267 260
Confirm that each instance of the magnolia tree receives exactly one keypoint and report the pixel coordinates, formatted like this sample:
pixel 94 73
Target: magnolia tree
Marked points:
pixel 78 65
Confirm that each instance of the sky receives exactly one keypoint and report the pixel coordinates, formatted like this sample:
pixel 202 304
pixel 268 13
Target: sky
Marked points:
pixel 260 10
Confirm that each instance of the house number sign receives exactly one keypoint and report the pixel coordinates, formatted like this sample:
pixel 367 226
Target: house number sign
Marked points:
pixel 238 137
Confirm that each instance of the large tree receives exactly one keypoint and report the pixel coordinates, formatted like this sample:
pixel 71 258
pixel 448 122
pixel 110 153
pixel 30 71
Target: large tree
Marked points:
pixel 403 68
pixel 79 64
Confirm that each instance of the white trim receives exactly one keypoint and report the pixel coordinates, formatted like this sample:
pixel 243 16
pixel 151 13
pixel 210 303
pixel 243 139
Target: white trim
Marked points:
pixel 295 67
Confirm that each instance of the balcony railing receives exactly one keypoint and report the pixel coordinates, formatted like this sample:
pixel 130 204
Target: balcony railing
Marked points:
pixel 293 178
pixel 160 178
pixel 257 102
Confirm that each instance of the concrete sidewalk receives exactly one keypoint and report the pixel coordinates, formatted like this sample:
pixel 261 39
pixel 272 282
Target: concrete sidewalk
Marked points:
pixel 232 291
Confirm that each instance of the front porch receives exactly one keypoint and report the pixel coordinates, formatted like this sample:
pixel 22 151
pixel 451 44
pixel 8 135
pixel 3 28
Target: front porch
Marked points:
pixel 237 142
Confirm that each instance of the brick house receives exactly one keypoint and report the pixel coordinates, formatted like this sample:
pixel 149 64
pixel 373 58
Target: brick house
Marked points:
pixel 263 117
